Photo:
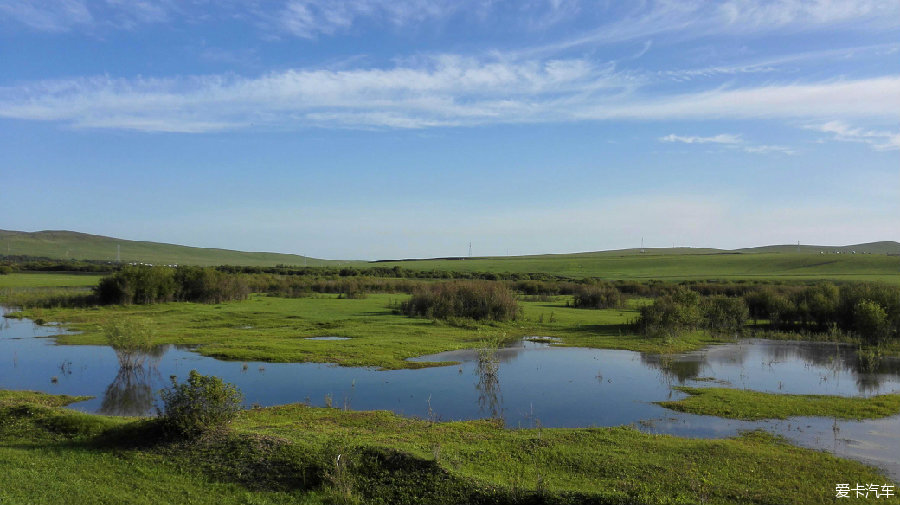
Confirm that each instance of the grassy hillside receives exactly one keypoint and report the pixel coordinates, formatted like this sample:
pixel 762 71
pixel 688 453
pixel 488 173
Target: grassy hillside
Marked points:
pixel 81 246
pixel 883 247
pixel 871 261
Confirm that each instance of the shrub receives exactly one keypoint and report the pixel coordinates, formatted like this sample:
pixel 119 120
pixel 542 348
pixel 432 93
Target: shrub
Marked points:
pixel 724 314
pixel 143 284
pixel 471 299
pixel 201 405
pixel 671 314
pixel 598 296
pixel 140 284
pixel 131 339
pixel 871 321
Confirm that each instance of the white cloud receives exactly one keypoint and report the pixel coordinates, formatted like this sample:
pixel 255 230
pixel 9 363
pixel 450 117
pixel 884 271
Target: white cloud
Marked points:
pixel 751 14
pixel 309 18
pixel 766 149
pixel 47 15
pixel 875 97
pixel 878 139
pixel 722 138
pixel 439 91
pixel 312 18
pixel 696 18
pixel 730 141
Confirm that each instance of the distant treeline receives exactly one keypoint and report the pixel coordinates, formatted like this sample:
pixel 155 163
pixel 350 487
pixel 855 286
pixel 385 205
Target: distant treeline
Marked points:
pixel 868 311
pixel 390 272
pixel 19 263
pixel 141 284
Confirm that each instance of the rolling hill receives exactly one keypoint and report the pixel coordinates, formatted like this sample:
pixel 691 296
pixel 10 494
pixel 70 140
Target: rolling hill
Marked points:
pixel 82 246
pixel 872 261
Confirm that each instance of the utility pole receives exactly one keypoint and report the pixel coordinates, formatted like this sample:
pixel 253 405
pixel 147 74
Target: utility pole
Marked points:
pixel 470 249
pixel 118 253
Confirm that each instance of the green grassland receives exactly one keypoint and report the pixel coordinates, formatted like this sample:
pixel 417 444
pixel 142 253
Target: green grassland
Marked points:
pixel 289 454
pixel 768 262
pixel 36 280
pixel 266 328
pixel 81 246
pixel 721 266
pixel 755 405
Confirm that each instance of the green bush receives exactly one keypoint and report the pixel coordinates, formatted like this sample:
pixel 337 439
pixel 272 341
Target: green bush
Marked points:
pixel 472 299
pixel 871 321
pixel 201 405
pixel 144 284
pixel 671 314
pixel 131 339
pixel 725 314
pixel 598 296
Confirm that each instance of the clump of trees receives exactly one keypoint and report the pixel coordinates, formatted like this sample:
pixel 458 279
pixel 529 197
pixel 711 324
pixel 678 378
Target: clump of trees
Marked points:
pixel 870 311
pixel 142 284
pixel 478 300
pixel 685 310
pixel 598 296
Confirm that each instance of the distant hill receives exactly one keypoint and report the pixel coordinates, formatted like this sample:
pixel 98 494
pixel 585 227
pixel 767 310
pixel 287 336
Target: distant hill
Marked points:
pixel 82 246
pixel 884 247
pixel 877 261
pixel 872 261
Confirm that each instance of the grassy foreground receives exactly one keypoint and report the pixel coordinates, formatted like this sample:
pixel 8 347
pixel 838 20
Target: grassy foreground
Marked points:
pixel 755 405
pixel 266 328
pixel 289 454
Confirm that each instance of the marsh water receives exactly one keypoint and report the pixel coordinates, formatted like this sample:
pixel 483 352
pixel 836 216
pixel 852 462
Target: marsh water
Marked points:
pixel 531 383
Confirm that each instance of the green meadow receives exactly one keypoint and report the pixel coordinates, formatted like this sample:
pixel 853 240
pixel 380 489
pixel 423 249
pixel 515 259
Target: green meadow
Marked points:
pixel 48 280
pixel 299 454
pixel 265 328
pixel 684 266
pixel 754 405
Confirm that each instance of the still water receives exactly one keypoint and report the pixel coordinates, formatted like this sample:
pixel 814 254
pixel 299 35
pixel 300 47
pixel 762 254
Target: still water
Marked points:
pixel 528 384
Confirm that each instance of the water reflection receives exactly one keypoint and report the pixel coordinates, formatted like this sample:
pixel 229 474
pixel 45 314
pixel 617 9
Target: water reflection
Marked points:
pixel 133 392
pixel 674 369
pixel 541 384
pixel 746 363
pixel 487 369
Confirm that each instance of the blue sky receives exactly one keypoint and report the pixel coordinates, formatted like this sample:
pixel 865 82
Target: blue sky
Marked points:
pixel 405 128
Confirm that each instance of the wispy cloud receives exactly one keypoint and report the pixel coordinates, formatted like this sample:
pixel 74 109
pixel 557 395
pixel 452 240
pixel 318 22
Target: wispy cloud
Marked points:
pixel 310 18
pixel 722 138
pixel 695 19
pixel 439 91
pixel 313 18
pixel 47 15
pixel 766 149
pixel 879 140
pixel 730 141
